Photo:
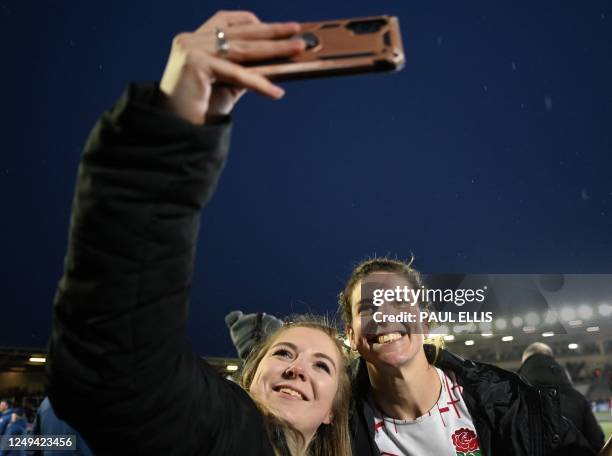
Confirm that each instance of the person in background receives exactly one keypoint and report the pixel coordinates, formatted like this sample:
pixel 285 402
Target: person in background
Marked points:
pixel 540 368
pixel 6 410
pixel 47 423
pixel 18 427
pixel 248 330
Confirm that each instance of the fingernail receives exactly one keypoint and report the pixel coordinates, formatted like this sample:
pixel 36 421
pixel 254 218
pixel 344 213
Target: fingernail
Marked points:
pixel 278 92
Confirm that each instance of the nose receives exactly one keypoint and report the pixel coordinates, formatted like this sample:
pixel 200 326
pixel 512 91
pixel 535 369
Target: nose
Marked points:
pixel 295 370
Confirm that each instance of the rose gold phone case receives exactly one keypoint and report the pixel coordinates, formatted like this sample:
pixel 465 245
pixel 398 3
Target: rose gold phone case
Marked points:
pixel 347 46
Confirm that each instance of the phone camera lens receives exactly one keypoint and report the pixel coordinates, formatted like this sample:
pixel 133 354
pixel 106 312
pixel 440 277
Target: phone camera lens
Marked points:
pixel 310 39
pixel 367 26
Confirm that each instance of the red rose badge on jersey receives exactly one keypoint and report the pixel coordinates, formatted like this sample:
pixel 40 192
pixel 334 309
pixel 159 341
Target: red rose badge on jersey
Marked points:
pixel 466 442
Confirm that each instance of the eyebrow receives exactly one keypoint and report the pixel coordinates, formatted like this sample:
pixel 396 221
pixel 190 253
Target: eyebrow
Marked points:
pixel 294 347
pixel 364 302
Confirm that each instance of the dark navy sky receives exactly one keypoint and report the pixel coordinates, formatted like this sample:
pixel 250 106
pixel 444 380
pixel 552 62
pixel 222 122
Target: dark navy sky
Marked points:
pixel 490 152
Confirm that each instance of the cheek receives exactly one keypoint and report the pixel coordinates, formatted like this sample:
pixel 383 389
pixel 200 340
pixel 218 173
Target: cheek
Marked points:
pixel 416 341
pixel 328 388
pixel 256 388
pixel 262 375
pixel 356 327
pixel 361 345
pixel 361 340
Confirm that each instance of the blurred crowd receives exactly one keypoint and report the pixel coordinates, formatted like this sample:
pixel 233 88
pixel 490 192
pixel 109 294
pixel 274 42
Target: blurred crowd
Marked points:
pixel 34 416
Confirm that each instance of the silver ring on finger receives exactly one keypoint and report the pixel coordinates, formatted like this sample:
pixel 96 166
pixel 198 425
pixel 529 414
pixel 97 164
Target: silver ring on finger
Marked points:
pixel 222 43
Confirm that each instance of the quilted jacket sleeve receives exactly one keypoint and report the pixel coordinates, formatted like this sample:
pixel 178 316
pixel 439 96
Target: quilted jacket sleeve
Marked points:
pixel 120 370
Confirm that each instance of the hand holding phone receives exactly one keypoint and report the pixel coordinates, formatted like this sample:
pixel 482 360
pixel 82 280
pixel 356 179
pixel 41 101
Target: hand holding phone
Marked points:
pixel 341 47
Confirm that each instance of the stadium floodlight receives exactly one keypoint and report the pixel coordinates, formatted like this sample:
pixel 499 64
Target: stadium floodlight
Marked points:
pixel 517 321
pixel 605 309
pixel 551 317
pixel 575 322
pixel 507 339
pixel 487 334
pixel 501 324
pixel 231 367
pixel 548 334
pixel 593 329
pixel 585 311
pixel 37 359
pixel 572 346
pixel 532 319
pixel 469 342
pixel 449 338
pixel 568 313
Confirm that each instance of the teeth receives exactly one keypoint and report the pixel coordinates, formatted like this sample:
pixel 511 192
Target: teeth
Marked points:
pixel 388 338
pixel 290 392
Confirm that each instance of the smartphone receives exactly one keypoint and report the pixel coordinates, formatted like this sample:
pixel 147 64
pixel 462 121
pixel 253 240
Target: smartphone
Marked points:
pixel 342 47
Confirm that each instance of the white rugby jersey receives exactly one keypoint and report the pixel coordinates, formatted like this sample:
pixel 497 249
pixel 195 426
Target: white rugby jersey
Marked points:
pixel 446 430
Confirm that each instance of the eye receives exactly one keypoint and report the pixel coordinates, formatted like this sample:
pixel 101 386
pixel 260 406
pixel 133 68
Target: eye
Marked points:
pixel 323 366
pixel 282 352
pixel 365 309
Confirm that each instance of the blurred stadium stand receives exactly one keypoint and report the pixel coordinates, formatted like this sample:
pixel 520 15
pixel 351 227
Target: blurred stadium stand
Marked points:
pixel 22 370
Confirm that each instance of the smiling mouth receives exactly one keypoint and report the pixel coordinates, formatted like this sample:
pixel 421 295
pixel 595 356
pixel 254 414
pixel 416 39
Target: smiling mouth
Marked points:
pixel 383 339
pixel 290 392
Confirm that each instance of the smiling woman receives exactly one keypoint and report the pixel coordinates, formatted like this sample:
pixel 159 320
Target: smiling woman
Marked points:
pixel 298 378
pixel 412 398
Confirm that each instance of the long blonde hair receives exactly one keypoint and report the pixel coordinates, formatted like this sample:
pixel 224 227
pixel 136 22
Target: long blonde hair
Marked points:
pixel 330 439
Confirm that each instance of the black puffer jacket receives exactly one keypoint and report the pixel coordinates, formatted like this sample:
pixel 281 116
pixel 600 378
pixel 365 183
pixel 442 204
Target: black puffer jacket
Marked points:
pixel 511 417
pixel 543 370
pixel 120 369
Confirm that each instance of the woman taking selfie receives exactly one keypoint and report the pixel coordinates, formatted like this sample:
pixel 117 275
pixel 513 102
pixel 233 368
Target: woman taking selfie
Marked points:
pixel 120 369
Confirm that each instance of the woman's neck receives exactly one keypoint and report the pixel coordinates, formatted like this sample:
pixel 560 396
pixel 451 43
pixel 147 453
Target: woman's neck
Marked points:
pixel 297 443
pixel 406 392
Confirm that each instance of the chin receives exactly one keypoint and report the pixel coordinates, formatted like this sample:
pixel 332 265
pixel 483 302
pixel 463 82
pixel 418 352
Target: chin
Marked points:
pixel 285 412
pixel 285 415
pixel 391 360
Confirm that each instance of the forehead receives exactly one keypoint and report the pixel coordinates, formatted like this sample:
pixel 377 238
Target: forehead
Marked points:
pixel 309 339
pixel 375 281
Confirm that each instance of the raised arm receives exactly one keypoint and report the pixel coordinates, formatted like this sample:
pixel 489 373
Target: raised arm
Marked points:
pixel 120 370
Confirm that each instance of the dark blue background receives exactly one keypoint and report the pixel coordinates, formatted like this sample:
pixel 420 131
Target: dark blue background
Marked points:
pixel 490 152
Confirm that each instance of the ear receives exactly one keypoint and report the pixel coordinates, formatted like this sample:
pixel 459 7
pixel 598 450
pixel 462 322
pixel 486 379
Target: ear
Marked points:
pixel 351 336
pixel 329 418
